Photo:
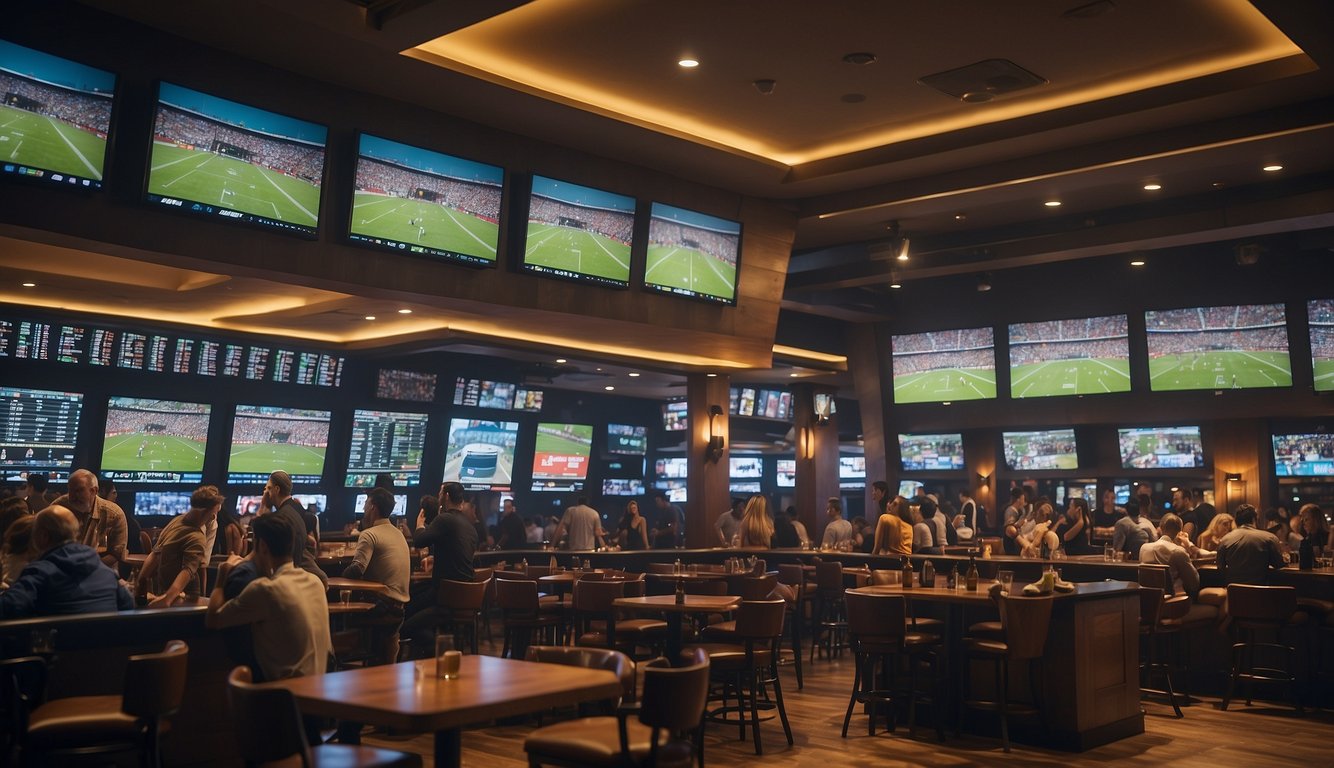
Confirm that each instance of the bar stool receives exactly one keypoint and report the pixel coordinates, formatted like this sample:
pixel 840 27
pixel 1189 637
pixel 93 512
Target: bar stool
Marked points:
pixel 523 615
pixel 917 624
pixel 598 624
pixel 879 635
pixel 614 662
pixel 795 579
pixel 1153 608
pixel 1256 610
pixel 1025 621
pixel 830 625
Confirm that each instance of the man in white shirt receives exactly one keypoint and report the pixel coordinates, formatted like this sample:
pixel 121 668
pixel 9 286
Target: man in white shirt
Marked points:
pixel 1168 551
pixel 583 525
pixel 728 524
pixel 965 523
pixel 837 531
pixel 382 556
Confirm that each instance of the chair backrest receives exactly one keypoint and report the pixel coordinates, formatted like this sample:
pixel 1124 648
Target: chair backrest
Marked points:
pixel 596 596
pixel 265 721
pixel 145 541
pixel 1266 605
pixel 1026 620
pixel 882 617
pixel 461 595
pixel 717 587
pixel 635 587
pixel 759 568
pixel 1156 576
pixel 516 595
pixel 751 587
pixel 792 575
pixel 760 619
pixel 22 689
pixel 674 698
pixel 883 577
pixel 155 682
pixel 538 571
pixel 482 574
pixel 591 658
pixel 661 567
pixel 829 576
pixel 1150 605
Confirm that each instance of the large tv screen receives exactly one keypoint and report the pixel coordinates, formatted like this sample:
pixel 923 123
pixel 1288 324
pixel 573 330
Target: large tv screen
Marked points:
pixel 40 429
pixel 692 254
pixel 480 454
pixel 1161 448
pixel 1320 316
pixel 851 467
pixel 221 159
pixel 1045 449
pixel 266 438
pixel 675 416
pixel 413 200
pixel 579 233
pixel 787 473
pixel 1304 455
pixel 154 441
pixel 400 504
pixel 931 452
pixel 161 503
pixel 1070 357
pixel 386 441
pixel 1241 347
pixel 54 118
pixel 944 366
pixel 623 486
pixel 394 384
pixel 627 439
pixel 560 455
pixel 745 467
pixel 673 468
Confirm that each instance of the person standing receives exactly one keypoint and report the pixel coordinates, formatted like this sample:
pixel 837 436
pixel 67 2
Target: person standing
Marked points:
pixel 583 525
pixel 173 567
pixel 632 533
pixel 837 532
pixel 965 524
pixel 452 540
pixel 382 557
pixel 893 531
pixel 671 520
pixel 278 497
pixel 757 530
pixel 512 533
pixel 728 524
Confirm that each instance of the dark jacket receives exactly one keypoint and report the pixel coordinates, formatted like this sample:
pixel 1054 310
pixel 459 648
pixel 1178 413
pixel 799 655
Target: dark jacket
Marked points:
pixel 303 557
pixel 453 540
pixel 70 578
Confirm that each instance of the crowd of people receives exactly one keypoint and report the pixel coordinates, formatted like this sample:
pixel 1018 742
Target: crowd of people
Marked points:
pixel 251 430
pixel 293 158
pixel 1083 349
pixel 722 246
pixel 471 197
pixel 159 417
pixel 944 341
pixel 617 225
pixel 914 362
pixel 1273 339
pixel 85 110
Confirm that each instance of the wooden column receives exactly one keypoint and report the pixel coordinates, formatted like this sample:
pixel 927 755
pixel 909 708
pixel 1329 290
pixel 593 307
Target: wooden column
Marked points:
pixel 872 382
pixel 1241 447
pixel 817 457
pixel 706 483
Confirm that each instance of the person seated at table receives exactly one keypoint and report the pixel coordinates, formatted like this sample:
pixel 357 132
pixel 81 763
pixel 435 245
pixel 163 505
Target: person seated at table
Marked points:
pixel 757 530
pixel 66 576
pixel 1174 550
pixel 1072 528
pixel 1134 530
pixel 923 533
pixel 893 531
pixel 1106 515
pixel 1036 537
pixel 1277 524
pixel 803 536
pixel 101 522
pixel 382 557
pixel 1220 526
pixel 1314 526
pixel 632 533
pixel 1247 555
pixel 863 536
pixel 838 533
pixel 452 540
pixel 172 568
pixel 12 510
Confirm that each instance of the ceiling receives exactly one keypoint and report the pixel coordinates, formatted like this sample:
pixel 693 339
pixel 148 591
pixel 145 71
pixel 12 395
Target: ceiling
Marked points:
pixel 824 106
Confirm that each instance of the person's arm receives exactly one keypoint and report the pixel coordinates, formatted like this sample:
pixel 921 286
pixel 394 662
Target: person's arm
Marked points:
pixel 245 608
pixel 20 600
pixel 124 601
pixel 642 529
pixel 430 535
pixel 1072 533
pixel 146 574
pixel 560 530
pixel 1118 537
pixel 235 539
pixel 1190 578
pixel 362 559
pixel 827 540
pixel 117 536
pixel 1276 557
pixel 173 591
pixel 718 529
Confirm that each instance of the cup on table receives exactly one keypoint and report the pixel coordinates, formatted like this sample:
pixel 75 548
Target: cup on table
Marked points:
pixel 447 658
pixel 345 597
pixel 1108 554
pixel 1006 579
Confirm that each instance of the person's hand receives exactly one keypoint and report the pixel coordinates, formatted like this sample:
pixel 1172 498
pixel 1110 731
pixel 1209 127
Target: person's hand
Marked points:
pixel 161 601
pixel 421 519
pixel 226 566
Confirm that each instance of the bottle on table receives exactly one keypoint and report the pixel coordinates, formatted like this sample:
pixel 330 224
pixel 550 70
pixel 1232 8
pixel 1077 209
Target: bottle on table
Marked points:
pixel 928 574
pixel 1306 554
pixel 680 592
pixel 907 572
pixel 970 580
pixel 952 580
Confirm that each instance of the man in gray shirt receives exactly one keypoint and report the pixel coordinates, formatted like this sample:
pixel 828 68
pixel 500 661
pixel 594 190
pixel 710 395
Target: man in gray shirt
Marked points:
pixel 1133 531
pixel 583 524
pixel 728 524
pixel 1246 555
pixel 837 530
pixel 382 556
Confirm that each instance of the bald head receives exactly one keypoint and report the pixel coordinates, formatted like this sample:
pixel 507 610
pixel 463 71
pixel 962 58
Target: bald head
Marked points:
pixel 82 491
pixel 54 526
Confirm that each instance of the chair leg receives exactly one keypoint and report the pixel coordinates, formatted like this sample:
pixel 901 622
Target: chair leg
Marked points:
pixel 912 697
pixel 856 688
pixel 778 699
pixel 1002 705
pixel 796 644
pixel 755 710
pixel 1237 649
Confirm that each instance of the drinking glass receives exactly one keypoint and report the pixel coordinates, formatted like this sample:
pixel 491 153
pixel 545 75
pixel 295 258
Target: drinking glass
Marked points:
pixel 345 597
pixel 447 658
pixel 1108 554
pixel 1006 579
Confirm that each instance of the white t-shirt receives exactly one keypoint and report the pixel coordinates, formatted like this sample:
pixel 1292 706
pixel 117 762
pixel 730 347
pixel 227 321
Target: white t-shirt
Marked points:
pixel 288 615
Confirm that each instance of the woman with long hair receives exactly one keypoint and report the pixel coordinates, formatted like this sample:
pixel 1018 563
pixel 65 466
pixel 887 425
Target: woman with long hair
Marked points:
pixel 1220 526
pixel 1314 526
pixel 231 537
pixel 757 530
pixel 893 531
pixel 632 533
pixel 1073 528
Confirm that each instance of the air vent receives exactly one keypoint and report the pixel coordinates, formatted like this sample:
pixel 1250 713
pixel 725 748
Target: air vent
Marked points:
pixel 983 81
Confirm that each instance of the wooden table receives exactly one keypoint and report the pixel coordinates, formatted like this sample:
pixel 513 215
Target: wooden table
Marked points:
pixel 694 604
pixel 339 582
pixel 409 697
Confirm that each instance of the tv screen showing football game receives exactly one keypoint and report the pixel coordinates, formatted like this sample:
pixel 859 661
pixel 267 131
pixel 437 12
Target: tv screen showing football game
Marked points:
pixel 480 454
pixel 675 416
pixel 266 438
pixel 579 233
pixel 1304 455
pixel 388 442
pixel 413 200
pixel 745 467
pixel 161 503
pixel 40 428
pixel 1046 449
pixel 692 254
pixel 154 441
pixel 560 455
pixel 944 366
pixel 221 159
pixel 1241 347
pixel 1320 316
pixel 54 118
pixel 623 486
pixel 627 439
pixel 1161 448
pixel 395 384
pixel 1070 357
pixel 787 473
pixel 931 452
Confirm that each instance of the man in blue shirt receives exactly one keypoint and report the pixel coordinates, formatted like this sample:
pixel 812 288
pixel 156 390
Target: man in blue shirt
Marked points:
pixel 671 522
pixel 68 577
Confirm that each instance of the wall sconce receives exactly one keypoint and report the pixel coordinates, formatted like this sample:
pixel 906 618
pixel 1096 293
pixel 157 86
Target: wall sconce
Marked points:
pixel 983 481
pixel 806 443
pixel 1236 489
pixel 716 439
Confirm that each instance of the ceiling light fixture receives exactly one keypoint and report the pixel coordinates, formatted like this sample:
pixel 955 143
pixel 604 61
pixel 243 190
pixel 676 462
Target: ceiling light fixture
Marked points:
pixel 1153 187
pixel 794 374
pixel 688 63
pixel 983 283
pixel 711 375
pixel 1053 203
pixel 370 317
pixel 960 217
pixel 405 311
pixel 900 247
pixel 1137 263
pixel 609 388
pixel 895 284
pixel 765 85
pixel 633 375
pixel 859 58
pixel 561 361
pixel 30 285
pixel 1272 168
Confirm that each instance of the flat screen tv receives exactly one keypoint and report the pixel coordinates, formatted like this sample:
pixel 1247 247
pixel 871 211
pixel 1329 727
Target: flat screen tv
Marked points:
pixel 54 118
pixel 154 441
pixel 385 441
pixel 480 454
pixel 692 254
pixel 851 467
pixel 400 504
pixel 267 438
pixel 1044 449
pixel 1161 448
pixel 626 439
pixel 745 467
pixel 1090 356
pixel 1320 317
pixel 414 200
pixel 787 473
pixel 579 233
pixel 313 502
pixel 745 486
pixel 394 384
pixel 40 429
pixel 224 160
pixel 675 416
pixel 161 503
pixel 526 399
pixel 674 468
pixel 944 366
pixel 560 455
pixel 909 489
pixel 745 402
pixel 1241 347
pixel 1304 455
pixel 623 486
pixel 931 452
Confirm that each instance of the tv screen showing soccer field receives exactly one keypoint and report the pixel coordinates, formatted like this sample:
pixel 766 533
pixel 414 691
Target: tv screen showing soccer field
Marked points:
pixel 217 158
pixel 40 428
pixel 54 118
pixel 944 366
pixel 413 200
pixel 1304 455
pixel 1241 347
pixel 265 439
pixel 1069 357
pixel 579 233
pixel 388 442
pixel 1047 449
pixel 393 384
pixel 927 452
pixel 480 454
pixel 154 441
pixel 627 439
pixel 692 254
pixel 1320 316
pixel 1161 448
pixel 561 453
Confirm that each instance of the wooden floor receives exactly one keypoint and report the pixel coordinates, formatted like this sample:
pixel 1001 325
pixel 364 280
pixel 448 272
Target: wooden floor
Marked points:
pixel 1262 735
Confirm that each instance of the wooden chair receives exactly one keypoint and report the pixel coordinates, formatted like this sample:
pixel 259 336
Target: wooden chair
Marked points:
pixel 879 633
pixel 1258 614
pixel 460 605
pixel 795 578
pixel 22 689
pixel 1025 621
pixel 598 624
pixel 829 625
pixel 1152 608
pixel 523 615
pixel 613 661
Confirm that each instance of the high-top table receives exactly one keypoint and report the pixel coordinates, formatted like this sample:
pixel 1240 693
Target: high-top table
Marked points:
pixel 693 604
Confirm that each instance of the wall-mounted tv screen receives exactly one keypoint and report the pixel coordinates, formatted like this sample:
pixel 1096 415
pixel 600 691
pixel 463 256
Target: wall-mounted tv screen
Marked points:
pixel 675 416
pixel 560 455
pixel 773 404
pixel 931 452
pixel 1320 316
pixel 627 439
pixel 1240 347
pixel 1070 357
pixel 623 486
pixel 692 254
pixel 909 489
pixel 154 441
pixel 161 503
pixel 787 473
pixel 266 438
pixel 400 504
pixel 1161 448
pixel 313 502
pixel 480 454
pixel 221 159
pixel 54 118
pixel 393 384
pixel 944 366
pixel 413 200
pixel 673 468
pixel 745 467
pixel 1304 455
pixel 40 428
pixel 745 401
pixel 745 486
pixel 579 233
pixel 386 441
pixel 526 399
pixel 1045 449
pixel 851 467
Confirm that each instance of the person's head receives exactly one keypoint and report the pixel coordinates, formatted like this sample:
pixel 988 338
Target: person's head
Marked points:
pixel 914 512
pixel 451 495
pixel 278 489
pixel 1017 497
pixel 901 507
pixel 205 503
pixel 880 491
pixel 758 527
pixel 11 509
pixel 964 496
pixel 791 513
pixel 928 507
pixel 1077 509
pixel 859 524
pixel 1220 526
pixel 1313 518
pixel 834 508
pixel 429 506
pixel 632 508
pixel 274 537
pixel 53 526
pixel 1108 497
pixel 1043 513
pixel 384 480
pixel 82 491
pixel 660 499
pixel 1272 518
pixel 18 537
pixel 738 508
pixel 108 490
pixel 509 507
pixel 1245 515
pixel 38 482
pixel 1170 525
pixel 379 506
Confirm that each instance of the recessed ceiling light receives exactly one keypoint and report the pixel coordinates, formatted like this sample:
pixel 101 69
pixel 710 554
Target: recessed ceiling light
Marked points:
pixel 30 285
pixel 1053 203
pixel 859 58
pixel 946 403
pixel 896 285
pixel 561 361
pixel 633 375
pixel 599 370
pixel 1137 263
pixel 959 217
pixel 609 388
pixel 405 311
pixel 688 63
pixel 711 375
pixel 1272 168
pixel 370 317
pixel 794 374
pixel 1153 187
